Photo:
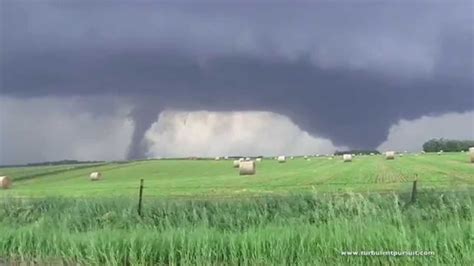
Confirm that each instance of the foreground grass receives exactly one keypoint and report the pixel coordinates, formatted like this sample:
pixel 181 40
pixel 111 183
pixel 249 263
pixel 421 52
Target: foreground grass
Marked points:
pixel 301 229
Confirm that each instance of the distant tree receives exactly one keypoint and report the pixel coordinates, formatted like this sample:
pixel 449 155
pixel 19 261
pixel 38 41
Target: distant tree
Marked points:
pixel 448 145
pixel 365 152
pixel 432 146
pixel 62 162
pixel 452 145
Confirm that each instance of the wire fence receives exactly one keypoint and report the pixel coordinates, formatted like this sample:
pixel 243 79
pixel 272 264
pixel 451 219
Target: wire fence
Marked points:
pixel 253 191
pixel 411 193
pixel 255 196
pixel 254 185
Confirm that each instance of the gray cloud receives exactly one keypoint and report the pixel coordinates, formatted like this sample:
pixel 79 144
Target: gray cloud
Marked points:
pixel 51 128
pixel 230 133
pixel 342 70
pixel 409 135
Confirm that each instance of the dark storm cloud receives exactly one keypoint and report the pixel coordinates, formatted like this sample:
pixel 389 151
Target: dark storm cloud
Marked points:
pixel 343 70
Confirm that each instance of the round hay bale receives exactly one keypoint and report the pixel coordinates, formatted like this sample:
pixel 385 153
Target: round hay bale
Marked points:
pixel 440 152
pixel 258 159
pixel 248 159
pixel 390 155
pixel 5 182
pixel 281 159
pixel 247 168
pixel 236 163
pixel 94 176
pixel 217 158
pixel 226 158
pixel 471 154
pixel 305 157
pixel 347 158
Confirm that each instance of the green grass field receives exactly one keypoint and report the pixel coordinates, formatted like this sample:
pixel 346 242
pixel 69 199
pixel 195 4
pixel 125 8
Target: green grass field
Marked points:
pixel 291 230
pixel 168 178
pixel 203 213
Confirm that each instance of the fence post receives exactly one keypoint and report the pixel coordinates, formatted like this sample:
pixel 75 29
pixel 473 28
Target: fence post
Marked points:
pixel 413 192
pixel 140 198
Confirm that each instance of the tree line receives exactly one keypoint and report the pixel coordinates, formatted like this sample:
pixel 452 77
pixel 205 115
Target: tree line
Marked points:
pixel 365 152
pixel 447 145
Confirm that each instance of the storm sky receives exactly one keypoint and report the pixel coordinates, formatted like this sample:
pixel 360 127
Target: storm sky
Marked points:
pixel 345 71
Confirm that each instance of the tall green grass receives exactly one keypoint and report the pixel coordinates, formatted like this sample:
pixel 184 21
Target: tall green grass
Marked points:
pixel 298 230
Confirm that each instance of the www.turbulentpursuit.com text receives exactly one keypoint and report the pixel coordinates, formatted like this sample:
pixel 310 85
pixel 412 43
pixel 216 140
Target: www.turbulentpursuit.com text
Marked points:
pixel 387 253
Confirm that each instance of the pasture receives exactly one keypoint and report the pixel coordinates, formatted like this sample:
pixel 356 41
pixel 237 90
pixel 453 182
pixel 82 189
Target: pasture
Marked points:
pixel 210 178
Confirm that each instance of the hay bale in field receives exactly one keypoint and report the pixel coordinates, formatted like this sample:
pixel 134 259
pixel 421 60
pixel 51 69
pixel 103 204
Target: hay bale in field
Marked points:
pixel 305 157
pixel 226 158
pixel 440 152
pixel 241 159
pixel 217 158
pixel 247 168
pixel 372 154
pixel 281 159
pixel 94 176
pixel 247 159
pixel 292 158
pixel 258 159
pixel 347 158
pixel 390 155
pixel 236 163
pixel 5 182
pixel 471 154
